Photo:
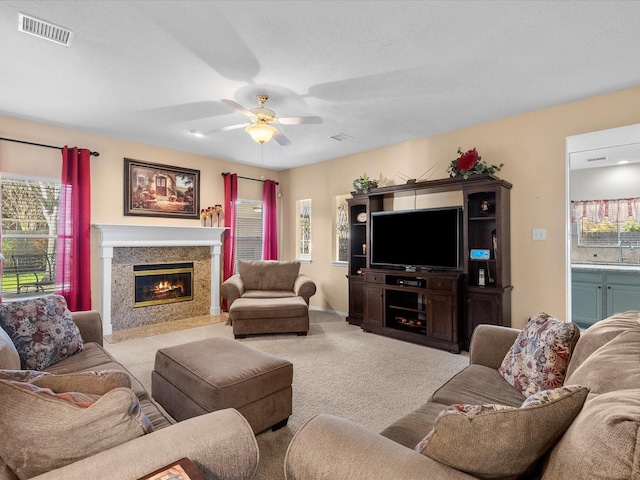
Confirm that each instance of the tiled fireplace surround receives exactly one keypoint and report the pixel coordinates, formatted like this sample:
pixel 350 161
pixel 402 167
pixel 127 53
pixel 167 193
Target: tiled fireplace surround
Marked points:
pixel 123 246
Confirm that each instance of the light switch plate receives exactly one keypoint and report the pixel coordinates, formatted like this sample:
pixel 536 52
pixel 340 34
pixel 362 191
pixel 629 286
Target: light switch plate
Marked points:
pixel 539 233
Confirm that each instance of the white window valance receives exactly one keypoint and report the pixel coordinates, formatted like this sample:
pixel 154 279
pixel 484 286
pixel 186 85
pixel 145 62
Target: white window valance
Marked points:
pixel 616 210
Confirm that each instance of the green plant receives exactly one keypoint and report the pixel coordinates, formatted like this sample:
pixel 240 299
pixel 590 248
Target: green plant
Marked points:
pixel 364 184
pixel 469 163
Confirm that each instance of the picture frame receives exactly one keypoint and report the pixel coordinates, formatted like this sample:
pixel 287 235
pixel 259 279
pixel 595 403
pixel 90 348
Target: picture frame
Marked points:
pixel 159 190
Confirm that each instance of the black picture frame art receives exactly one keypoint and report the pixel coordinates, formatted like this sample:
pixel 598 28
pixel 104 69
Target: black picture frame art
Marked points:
pixel 158 190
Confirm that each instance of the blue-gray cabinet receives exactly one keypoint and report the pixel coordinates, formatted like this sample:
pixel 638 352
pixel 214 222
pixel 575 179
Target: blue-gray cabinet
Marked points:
pixel 597 294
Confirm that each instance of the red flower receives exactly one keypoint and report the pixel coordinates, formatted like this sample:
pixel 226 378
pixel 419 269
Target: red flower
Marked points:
pixel 468 160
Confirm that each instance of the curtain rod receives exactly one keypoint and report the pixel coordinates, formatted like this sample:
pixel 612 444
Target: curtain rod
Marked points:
pixel 224 174
pixel 95 154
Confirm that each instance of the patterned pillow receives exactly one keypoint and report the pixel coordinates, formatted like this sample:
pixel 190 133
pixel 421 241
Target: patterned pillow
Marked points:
pixel 539 357
pixel 43 430
pixel 42 330
pixel 497 441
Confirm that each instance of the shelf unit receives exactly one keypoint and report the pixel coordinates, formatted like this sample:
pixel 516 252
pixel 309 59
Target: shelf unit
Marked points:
pixel 374 302
pixel 487 227
pixel 358 251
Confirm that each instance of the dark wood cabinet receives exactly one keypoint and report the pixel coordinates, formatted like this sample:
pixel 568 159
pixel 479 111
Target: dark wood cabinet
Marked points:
pixel 360 209
pixel 488 280
pixel 439 309
pixel 492 306
pixel 416 307
pixel 373 298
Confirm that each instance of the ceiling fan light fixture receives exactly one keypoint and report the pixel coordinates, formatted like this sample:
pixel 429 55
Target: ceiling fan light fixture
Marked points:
pixel 261 132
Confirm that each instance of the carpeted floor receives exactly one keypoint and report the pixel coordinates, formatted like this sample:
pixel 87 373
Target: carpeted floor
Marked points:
pixel 338 369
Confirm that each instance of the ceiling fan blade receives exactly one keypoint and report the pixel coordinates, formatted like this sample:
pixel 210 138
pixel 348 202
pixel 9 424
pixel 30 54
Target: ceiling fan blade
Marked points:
pixel 236 106
pixel 299 120
pixel 225 129
pixel 281 139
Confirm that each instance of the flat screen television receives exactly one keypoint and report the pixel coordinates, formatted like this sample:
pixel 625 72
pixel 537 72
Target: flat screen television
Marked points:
pixel 421 239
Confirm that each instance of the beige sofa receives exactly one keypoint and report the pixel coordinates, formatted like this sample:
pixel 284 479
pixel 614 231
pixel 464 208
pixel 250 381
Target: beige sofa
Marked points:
pixel 221 444
pixel 602 442
pixel 268 296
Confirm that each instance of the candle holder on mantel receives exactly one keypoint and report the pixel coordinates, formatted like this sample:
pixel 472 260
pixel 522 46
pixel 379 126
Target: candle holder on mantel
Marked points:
pixel 212 216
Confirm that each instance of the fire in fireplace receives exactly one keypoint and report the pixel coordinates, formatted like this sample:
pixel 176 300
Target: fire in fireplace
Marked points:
pixel 162 283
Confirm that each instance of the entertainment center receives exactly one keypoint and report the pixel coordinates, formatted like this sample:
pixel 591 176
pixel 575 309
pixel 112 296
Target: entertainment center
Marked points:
pixel 431 275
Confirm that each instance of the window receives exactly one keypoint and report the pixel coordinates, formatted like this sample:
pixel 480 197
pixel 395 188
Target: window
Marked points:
pixel 303 236
pixel 608 234
pixel 607 223
pixel 30 212
pixel 248 231
pixel 342 228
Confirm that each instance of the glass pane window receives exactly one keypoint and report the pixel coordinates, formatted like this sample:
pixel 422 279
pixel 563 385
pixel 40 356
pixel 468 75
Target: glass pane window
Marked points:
pixel 30 213
pixel 342 228
pixel 606 233
pixel 249 231
pixel 304 229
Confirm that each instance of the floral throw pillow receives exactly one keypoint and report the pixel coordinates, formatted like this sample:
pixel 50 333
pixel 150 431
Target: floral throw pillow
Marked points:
pixel 42 330
pixel 539 357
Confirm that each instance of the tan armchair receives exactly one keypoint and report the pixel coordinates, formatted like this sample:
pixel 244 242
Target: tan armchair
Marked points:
pixel 268 296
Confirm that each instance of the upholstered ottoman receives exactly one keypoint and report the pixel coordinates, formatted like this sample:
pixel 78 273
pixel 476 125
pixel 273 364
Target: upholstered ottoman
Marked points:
pixel 216 373
pixel 269 315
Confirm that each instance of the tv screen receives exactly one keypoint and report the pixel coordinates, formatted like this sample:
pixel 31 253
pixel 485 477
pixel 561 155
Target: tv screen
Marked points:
pixel 428 238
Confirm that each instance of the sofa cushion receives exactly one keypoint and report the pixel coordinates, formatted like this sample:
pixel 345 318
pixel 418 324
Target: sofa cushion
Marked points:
pixel 268 274
pixel 596 372
pixel 41 330
pixel 44 430
pixel 498 441
pixel 601 333
pixel 9 357
pixel 268 294
pixel 602 443
pixel 539 357
pixel 477 384
pixel 410 429
pixel 92 357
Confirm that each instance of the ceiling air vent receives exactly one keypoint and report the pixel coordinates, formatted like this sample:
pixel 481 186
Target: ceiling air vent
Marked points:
pixel 341 137
pixel 48 31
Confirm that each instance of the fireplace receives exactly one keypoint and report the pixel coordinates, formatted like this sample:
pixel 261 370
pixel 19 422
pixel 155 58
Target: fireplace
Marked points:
pixel 158 284
pixel 123 246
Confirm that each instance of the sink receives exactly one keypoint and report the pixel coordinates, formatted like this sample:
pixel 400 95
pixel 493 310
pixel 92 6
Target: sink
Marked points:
pixel 633 267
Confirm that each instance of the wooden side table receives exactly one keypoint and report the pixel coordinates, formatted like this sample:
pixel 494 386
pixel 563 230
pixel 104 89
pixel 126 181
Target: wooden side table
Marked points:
pixel 183 469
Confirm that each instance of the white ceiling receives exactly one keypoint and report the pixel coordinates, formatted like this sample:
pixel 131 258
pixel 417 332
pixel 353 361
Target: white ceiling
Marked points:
pixel 381 72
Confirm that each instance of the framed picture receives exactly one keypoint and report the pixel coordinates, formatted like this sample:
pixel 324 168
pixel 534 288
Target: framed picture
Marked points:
pixel 156 190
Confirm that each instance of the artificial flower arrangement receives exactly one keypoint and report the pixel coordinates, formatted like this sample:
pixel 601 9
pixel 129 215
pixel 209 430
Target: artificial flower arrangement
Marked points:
pixel 469 163
pixel 363 184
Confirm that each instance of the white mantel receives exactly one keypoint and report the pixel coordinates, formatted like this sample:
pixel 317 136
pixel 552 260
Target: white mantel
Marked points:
pixel 114 236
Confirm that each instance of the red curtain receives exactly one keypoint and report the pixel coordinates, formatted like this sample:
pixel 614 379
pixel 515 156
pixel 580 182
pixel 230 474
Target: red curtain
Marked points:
pixel 230 198
pixel 73 272
pixel 270 233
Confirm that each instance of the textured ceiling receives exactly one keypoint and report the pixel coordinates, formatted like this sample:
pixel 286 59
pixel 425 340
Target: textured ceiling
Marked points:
pixel 381 72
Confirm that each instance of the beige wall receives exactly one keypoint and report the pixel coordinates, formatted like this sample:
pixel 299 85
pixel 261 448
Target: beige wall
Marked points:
pixel 531 145
pixel 107 173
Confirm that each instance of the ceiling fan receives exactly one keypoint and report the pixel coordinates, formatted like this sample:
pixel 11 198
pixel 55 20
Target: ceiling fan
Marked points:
pixel 261 120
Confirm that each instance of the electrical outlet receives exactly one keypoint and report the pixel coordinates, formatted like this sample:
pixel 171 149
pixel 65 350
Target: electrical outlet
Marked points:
pixel 539 233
